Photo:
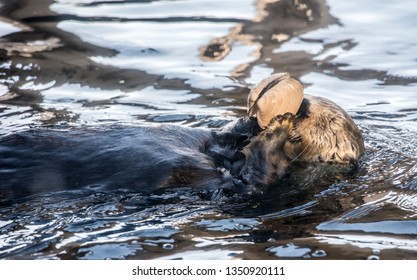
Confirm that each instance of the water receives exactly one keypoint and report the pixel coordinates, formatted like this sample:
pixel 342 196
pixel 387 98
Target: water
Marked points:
pixel 75 66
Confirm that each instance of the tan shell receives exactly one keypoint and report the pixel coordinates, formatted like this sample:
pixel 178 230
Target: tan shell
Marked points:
pixel 274 95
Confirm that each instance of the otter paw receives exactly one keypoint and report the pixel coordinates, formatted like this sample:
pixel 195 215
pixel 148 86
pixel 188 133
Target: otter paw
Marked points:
pixel 281 122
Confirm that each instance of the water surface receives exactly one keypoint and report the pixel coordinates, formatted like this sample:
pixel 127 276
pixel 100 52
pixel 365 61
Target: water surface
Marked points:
pixel 82 65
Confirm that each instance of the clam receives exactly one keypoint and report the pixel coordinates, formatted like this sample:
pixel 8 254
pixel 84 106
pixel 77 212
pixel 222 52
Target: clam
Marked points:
pixel 274 95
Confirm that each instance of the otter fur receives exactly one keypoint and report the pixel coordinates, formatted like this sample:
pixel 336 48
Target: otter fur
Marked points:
pixel 266 160
pixel 324 132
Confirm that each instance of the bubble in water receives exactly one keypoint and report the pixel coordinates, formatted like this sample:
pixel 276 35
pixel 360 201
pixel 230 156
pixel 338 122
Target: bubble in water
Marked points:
pixel 373 257
pixel 319 254
pixel 168 246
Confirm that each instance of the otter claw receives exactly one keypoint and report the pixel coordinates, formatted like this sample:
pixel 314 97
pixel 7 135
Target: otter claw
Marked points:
pixel 277 118
pixel 281 121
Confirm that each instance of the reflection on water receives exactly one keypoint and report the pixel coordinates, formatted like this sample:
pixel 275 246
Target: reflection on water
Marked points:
pixel 71 64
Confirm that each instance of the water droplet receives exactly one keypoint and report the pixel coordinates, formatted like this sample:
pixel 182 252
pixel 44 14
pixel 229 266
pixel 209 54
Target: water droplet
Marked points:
pixel 373 257
pixel 319 254
pixel 168 246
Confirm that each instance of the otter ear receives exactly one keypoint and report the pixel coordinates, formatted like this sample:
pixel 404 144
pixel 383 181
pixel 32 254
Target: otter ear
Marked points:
pixel 275 95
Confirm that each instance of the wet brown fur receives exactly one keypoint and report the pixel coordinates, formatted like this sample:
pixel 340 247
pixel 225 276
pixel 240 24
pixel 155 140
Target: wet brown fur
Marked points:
pixel 324 132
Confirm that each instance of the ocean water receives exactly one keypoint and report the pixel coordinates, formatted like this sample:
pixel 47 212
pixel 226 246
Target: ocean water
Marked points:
pixel 85 65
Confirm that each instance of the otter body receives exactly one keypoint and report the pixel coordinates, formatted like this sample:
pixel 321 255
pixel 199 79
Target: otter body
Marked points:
pixel 242 156
pixel 143 158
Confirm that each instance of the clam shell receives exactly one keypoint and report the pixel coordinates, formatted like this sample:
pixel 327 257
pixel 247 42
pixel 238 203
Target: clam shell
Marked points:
pixel 274 95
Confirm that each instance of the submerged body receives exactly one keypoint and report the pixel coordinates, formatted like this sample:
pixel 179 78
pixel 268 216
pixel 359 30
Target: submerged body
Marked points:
pixel 142 158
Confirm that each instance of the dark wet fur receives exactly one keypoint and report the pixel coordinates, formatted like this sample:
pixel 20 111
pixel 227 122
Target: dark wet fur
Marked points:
pixel 140 158
pixel 265 160
pixel 143 158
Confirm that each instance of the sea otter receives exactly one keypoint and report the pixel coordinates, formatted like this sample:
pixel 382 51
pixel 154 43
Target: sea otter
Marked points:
pixel 322 131
pixel 293 127
pixel 283 126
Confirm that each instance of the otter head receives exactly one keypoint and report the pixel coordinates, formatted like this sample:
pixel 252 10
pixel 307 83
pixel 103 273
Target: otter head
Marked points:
pixel 275 95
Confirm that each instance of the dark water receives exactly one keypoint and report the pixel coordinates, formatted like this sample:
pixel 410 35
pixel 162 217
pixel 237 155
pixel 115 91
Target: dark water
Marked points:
pixel 72 67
